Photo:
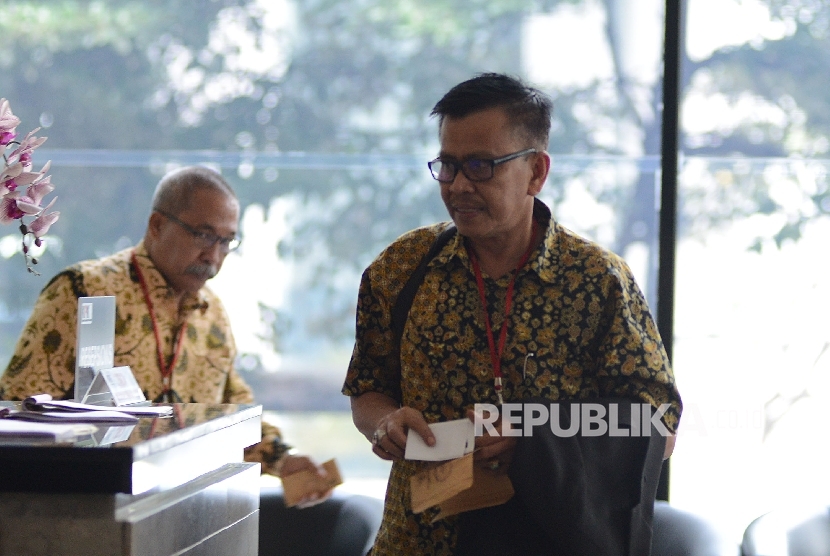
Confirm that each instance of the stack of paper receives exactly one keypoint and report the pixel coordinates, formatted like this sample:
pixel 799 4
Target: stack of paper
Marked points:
pixel 113 417
pixel 44 402
pixel 44 419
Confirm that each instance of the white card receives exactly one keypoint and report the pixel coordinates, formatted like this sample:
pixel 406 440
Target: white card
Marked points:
pixel 123 386
pixel 114 387
pixel 453 439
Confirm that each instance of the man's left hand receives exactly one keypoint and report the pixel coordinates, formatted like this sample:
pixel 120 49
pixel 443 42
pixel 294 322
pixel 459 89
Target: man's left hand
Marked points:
pixel 290 464
pixel 493 451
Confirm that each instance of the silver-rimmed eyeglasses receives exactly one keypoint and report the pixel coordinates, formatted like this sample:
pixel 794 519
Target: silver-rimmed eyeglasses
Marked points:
pixel 474 169
pixel 205 240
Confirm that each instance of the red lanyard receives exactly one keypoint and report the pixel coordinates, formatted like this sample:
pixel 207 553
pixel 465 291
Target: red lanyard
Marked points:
pixel 166 370
pixel 495 354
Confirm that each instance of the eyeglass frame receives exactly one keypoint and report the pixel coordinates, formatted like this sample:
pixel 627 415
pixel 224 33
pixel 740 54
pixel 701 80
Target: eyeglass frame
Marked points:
pixel 459 166
pixel 210 239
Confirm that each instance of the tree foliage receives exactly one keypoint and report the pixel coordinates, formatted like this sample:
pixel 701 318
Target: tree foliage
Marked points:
pixel 357 78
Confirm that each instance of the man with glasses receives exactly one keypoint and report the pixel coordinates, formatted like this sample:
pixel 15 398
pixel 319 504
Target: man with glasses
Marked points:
pixel 171 330
pixel 510 306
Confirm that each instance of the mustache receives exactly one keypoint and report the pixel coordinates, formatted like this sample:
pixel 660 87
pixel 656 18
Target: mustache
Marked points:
pixel 464 199
pixel 202 270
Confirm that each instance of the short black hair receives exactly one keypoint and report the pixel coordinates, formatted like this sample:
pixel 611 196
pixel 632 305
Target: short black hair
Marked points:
pixel 527 108
pixel 175 190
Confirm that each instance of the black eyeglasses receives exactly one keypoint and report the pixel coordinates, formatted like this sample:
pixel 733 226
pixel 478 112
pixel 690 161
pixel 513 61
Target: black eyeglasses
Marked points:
pixel 474 169
pixel 205 240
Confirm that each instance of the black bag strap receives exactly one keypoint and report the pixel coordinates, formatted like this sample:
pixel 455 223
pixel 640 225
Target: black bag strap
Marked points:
pixel 400 310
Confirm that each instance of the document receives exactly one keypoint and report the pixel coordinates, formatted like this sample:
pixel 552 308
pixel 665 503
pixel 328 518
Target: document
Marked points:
pixel 69 416
pixel 453 439
pixel 44 402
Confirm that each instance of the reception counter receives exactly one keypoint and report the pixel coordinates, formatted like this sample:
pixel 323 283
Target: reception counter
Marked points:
pixel 165 486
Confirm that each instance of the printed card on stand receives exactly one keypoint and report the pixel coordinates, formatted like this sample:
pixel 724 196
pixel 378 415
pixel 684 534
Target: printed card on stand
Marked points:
pixel 94 341
pixel 116 386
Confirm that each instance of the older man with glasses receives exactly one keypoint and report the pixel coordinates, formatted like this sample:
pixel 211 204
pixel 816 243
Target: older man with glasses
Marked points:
pixel 171 330
pixel 507 305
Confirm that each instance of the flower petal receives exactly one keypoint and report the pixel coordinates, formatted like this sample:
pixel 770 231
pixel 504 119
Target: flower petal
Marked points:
pixel 8 121
pixel 12 171
pixel 9 211
pixel 39 189
pixel 25 178
pixel 41 224
pixel 26 205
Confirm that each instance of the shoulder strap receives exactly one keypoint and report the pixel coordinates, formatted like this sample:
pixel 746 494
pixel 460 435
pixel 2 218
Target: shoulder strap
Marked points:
pixel 400 310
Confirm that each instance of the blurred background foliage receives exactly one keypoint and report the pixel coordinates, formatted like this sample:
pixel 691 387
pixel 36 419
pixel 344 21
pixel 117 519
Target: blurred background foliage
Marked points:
pixel 356 80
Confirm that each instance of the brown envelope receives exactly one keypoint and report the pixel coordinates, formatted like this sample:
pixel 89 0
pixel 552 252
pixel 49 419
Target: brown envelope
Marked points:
pixel 441 482
pixel 458 486
pixel 302 483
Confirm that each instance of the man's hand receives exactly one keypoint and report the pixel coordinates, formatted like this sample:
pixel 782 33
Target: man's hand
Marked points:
pixel 290 464
pixel 493 452
pixel 385 424
pixel 389 437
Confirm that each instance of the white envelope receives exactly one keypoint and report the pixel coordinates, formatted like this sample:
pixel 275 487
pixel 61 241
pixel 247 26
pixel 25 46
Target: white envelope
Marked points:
pixel 453 439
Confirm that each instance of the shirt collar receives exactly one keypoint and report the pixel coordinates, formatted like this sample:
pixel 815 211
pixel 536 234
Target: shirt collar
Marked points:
pixel 160 292
pixel 547 254
pixel 543 258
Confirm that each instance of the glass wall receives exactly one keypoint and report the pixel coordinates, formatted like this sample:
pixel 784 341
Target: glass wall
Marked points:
pixel 752 296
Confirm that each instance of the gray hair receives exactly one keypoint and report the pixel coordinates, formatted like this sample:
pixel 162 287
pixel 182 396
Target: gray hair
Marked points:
pixel 175 190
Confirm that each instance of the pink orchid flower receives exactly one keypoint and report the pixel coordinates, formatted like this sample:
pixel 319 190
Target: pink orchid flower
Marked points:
pixel 15 175
pixel 40 225
pixel 26 178
pixel 7 176
pixel 8 123
pixel 9 211
pixel 41 187
pixel 15 206
pixel 29 203
pixel 23 152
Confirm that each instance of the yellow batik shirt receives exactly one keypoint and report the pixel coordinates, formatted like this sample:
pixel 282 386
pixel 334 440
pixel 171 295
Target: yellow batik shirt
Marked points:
pixel 579 329
pixel 44 357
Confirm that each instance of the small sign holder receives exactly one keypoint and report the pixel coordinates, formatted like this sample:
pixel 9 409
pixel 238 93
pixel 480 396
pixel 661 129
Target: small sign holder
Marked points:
pixel 95 340
pixel 114 387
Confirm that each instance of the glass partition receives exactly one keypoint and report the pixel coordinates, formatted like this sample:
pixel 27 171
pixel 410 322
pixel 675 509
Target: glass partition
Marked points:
pixel 751 339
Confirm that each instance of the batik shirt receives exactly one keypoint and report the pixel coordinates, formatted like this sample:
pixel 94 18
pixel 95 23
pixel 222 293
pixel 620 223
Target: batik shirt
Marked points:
pixel 44 358
pixel 579 329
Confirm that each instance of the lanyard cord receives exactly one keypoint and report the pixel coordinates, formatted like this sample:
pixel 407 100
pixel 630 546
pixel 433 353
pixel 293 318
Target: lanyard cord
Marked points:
pixel 166 370
pixel 495 354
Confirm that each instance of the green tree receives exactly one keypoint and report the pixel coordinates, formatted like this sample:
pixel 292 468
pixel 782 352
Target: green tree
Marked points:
pixel 350 83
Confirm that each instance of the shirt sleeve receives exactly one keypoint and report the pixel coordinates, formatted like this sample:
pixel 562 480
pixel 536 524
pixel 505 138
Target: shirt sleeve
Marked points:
pixel 44 357
pixel 375 362
pixel 631 358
